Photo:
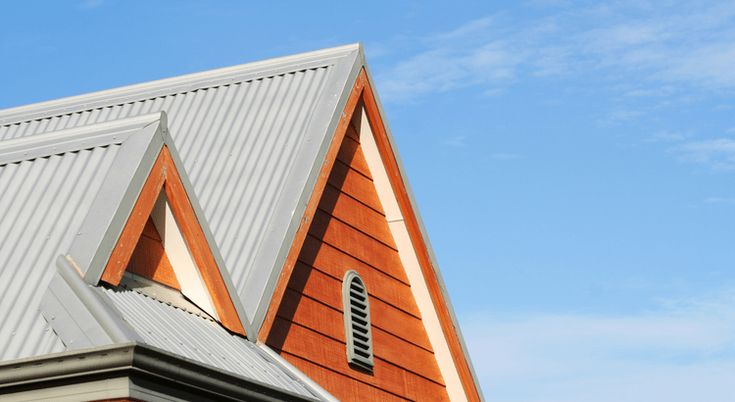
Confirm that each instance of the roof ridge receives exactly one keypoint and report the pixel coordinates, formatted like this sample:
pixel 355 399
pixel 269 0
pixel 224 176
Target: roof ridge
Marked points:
pixel 74 139
pixel 176 84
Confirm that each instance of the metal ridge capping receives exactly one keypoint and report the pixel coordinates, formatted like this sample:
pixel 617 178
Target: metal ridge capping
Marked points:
pixel 181 83
pixel 73 139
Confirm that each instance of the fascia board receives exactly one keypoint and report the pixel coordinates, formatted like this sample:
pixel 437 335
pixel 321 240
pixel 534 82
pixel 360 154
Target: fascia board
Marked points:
pixel 424 233
pixel 115 199
pixel 174 85
pixel 273 250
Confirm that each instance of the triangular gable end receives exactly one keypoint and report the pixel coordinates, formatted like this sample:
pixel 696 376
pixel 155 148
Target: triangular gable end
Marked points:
pixel 362 138
pixel 162 240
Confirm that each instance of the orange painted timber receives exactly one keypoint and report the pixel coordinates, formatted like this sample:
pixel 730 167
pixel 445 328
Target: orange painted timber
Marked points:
pixel 355 185
pixel 328 352
pixel 348 388
pixel 346 232
pixel 358 244
pixel 332 261
pixel 321 287
pixel 128 240
pixel 327 320
pixel 351 154
pixel 357 215
pixel 419 243
pixel 164 175
pixel 352 132
pixel 149 259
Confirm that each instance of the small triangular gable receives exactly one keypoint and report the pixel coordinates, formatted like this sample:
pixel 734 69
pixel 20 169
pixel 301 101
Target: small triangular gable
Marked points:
pixel 361 218
pixel 163 240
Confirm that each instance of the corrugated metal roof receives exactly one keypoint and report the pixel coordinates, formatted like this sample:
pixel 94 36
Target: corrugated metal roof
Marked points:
pixel 249 138
pixel 42 204
pixel 200 339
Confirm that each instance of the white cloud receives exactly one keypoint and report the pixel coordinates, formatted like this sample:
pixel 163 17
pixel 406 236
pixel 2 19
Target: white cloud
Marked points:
pixel 459 141
pixel 683 352
pixel 679 46
pixel 445 68
pixel 719 200
pixel 718 153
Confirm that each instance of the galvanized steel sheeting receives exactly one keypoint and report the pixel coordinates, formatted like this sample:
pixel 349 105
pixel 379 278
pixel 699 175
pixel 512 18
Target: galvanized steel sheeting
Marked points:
pixel 199 339
pixel 42 204
pixel 238 143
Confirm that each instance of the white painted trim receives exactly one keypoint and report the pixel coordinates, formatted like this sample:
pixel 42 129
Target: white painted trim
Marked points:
pixel 109 388
pixel 185 269
pixel 410 262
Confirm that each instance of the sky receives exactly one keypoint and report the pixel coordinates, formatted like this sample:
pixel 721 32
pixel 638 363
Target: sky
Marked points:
pixel 573 162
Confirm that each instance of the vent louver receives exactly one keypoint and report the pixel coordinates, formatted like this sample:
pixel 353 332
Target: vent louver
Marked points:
pixel 357 322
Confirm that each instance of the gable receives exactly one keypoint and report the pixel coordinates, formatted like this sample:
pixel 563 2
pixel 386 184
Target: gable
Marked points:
pixel 350 232
pixel 361 209
pixel 162 225
pixel 259 143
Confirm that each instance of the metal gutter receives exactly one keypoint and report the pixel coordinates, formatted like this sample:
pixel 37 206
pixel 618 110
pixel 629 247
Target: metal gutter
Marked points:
pixel 162 372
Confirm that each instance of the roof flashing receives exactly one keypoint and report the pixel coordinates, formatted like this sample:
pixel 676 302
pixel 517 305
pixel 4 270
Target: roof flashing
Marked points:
pixel 179 84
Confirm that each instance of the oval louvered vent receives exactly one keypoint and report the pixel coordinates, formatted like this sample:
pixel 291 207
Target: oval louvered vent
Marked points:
pixel 357 321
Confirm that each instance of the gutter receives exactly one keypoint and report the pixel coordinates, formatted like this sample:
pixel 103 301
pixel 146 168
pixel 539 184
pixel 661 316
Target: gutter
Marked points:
pixel 169 374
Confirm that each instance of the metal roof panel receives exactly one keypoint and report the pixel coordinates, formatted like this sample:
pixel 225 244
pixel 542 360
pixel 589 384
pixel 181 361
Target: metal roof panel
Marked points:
pixel 248 137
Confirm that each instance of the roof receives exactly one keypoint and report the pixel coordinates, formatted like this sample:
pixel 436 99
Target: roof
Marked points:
pixel 250 139
pixel 127 371
pixel 44 198
pixel 66 197
pixel 200 339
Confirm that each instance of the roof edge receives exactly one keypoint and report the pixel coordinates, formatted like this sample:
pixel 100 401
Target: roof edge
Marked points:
pixel 169 371
pixel 300 375
pixel 74 139
pixel 319 139
pixel 186 82
pixel 68 295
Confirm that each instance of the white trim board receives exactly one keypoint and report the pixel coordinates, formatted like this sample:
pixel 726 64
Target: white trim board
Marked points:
pixel 410 261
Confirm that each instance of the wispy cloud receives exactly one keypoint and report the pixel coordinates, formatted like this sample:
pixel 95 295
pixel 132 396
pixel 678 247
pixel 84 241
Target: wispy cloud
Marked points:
pixel 680 352
pixel 718 153
pixel 719 200
pixel 459 141
pixel 678 45
pixel 453 60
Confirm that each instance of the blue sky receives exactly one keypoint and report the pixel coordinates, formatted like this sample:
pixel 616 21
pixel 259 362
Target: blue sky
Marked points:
pixel 573 162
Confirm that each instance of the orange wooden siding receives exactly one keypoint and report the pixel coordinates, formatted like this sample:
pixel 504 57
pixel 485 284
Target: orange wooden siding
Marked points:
pixel 149 258
pixel 349 231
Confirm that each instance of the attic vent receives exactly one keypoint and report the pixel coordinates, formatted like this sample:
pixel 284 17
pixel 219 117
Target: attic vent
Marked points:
pixel 357 321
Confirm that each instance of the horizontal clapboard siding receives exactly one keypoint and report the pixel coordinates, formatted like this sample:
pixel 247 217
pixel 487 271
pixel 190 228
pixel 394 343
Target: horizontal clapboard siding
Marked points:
pixel 350 232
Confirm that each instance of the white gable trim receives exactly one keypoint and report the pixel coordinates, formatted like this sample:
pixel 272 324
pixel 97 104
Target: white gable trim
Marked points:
pixel 410 261
pixel 186 271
